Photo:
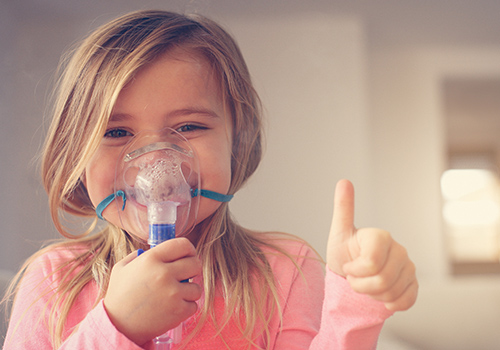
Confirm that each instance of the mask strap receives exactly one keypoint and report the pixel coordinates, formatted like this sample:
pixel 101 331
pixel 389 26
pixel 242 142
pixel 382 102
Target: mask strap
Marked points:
pixel 219 197
pixel 204 193
pixel 107 201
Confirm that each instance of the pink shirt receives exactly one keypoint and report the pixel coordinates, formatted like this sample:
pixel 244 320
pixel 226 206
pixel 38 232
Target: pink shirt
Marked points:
pixel 318 312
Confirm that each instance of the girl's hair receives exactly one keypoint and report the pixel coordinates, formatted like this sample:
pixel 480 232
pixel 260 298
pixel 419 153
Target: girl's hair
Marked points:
pixel 232 257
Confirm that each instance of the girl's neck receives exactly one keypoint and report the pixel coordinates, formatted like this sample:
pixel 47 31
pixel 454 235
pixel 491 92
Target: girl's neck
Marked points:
pixel 194 235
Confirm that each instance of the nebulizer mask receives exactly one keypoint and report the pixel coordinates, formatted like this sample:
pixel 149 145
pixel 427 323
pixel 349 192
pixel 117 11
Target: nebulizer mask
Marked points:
pixel 157 189
pixel 157 182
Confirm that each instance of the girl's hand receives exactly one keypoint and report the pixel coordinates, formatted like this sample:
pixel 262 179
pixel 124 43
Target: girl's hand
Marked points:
pixel 146 298
pixel 372 262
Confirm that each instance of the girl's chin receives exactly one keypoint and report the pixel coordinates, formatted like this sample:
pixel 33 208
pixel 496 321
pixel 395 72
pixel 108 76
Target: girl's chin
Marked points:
pixel 141 242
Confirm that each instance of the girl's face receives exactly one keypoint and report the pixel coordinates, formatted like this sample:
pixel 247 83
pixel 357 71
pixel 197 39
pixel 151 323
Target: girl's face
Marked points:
pixel 179 91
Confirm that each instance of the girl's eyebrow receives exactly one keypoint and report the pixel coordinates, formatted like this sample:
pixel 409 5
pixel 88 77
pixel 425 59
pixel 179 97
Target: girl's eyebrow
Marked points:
pixel 120 117
pixel 194 110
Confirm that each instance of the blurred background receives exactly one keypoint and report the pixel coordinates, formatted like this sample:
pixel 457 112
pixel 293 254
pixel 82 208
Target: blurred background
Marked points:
pixel 401 97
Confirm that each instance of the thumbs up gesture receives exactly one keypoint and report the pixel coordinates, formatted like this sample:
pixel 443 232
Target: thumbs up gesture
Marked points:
pixel 369 258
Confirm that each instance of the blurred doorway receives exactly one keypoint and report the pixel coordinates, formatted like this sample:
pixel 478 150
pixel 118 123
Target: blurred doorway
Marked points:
pixel 470 185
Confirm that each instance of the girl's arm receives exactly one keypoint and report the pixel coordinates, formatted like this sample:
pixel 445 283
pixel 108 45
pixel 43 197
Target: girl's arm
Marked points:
pixel 369 276
pixel 349 320
pixel 106 326
pixel 28 326
pixel 319 316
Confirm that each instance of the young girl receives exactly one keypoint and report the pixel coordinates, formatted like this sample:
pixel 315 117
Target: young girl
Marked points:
pixel 156 70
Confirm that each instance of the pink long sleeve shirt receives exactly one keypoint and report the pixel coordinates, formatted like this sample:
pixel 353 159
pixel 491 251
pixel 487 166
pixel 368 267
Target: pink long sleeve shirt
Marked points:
pixel 318 312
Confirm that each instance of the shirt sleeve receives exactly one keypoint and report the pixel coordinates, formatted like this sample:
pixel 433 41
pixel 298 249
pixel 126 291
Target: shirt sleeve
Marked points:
pixel 349 320
pixel 96 331
pixel 88 327
pixel 323 312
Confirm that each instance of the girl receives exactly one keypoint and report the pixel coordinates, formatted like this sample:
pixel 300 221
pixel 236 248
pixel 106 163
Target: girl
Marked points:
pixel 156 70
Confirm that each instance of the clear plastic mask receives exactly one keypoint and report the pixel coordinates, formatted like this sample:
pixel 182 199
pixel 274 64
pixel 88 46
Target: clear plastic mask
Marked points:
pixel 158 171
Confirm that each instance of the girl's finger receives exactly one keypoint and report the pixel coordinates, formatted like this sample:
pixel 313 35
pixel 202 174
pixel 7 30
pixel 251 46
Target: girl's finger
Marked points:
pixel 343 208
pixel 126 260
pixel 173 249
pixel 375 247
pixel 191 291
pixel 185 268
pixel 406 300
pixel 385 288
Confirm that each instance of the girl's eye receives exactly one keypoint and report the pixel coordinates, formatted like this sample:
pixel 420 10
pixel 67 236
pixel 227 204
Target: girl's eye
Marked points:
pixel 190 128
pixel 117 133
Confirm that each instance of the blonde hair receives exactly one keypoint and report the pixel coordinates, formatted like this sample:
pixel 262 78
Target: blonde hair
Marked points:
pixel 232 257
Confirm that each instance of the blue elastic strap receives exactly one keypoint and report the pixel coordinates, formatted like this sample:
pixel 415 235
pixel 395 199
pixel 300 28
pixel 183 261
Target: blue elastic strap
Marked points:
pixel 204 193
pixel 107 201
pixel 212 195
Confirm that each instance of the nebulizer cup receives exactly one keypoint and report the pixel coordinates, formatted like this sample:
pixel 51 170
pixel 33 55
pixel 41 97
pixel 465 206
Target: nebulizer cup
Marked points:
pixel 158 171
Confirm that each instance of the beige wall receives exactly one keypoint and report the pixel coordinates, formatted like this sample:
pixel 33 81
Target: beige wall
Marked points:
pixel 313 88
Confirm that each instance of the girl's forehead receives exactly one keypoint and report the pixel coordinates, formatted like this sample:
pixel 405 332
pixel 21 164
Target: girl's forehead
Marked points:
pixel 181 54
pixel 195 63
pixel 177 76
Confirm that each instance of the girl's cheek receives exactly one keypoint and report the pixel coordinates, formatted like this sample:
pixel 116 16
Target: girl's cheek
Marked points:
pixel 99 178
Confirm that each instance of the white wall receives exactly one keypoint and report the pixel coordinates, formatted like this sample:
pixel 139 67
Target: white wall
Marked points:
pixel 310 72
pixel 31 47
